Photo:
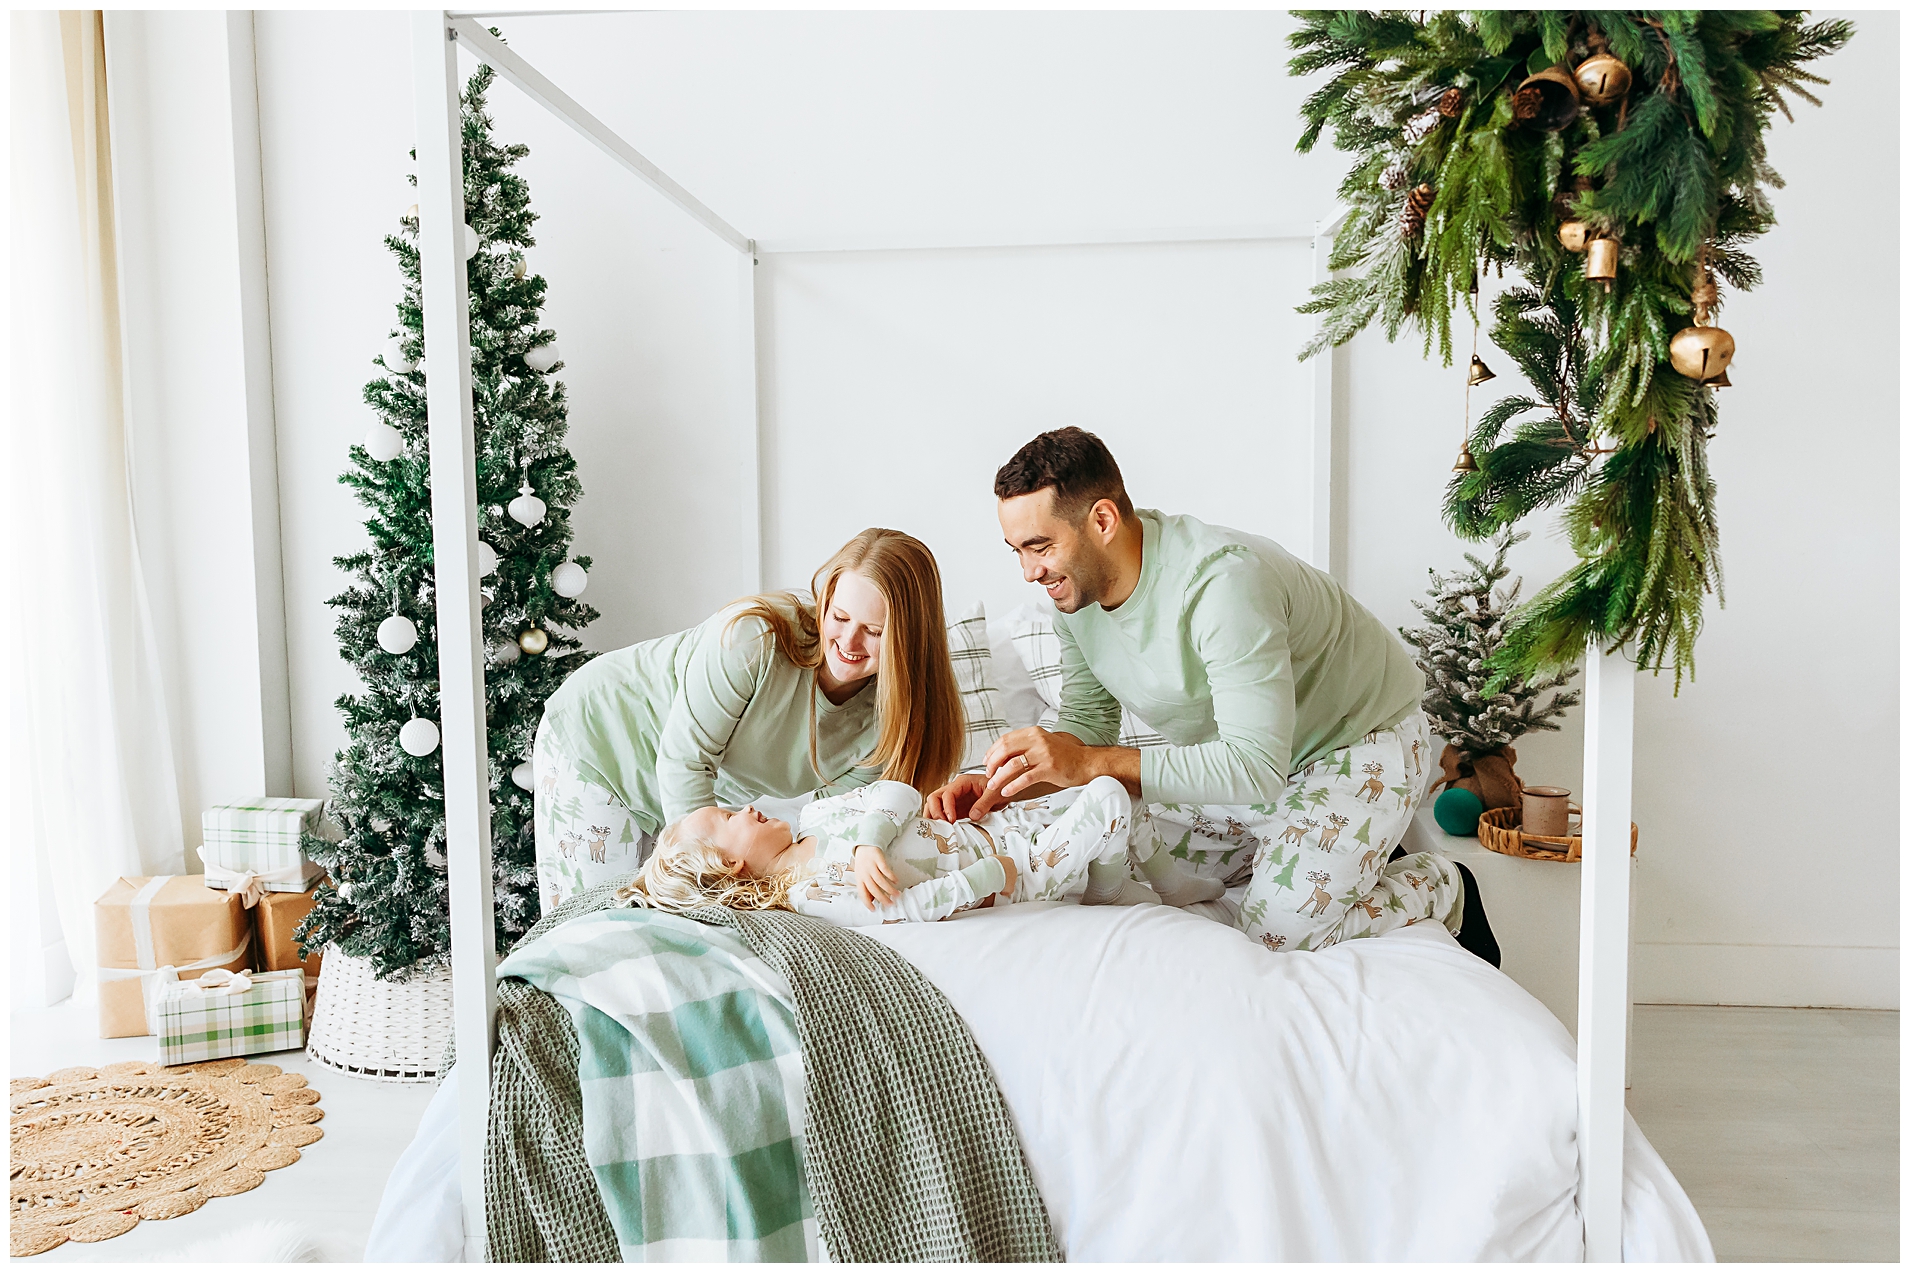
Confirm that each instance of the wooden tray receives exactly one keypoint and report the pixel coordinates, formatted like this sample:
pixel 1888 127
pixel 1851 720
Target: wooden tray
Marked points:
pixel 1499 831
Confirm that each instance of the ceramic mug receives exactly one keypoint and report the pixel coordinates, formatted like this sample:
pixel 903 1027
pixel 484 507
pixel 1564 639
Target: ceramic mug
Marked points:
pixel 1547 811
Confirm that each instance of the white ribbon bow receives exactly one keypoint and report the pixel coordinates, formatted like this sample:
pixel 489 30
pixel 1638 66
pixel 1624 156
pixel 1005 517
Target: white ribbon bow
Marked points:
pixel 250 885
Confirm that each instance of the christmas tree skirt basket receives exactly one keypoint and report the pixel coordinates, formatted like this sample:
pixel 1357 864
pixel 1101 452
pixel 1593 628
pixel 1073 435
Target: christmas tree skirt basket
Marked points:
pixel 1499 831
pixel 395 1031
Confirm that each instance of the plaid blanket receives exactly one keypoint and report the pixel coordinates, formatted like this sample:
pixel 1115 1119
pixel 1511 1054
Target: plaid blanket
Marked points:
pixel 690 1070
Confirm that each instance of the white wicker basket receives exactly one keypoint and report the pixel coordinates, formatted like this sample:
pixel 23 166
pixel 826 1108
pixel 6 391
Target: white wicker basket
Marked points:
pixel 390 1030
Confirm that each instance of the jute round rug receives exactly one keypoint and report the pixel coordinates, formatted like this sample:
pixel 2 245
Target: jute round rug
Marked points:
pixel 97 1151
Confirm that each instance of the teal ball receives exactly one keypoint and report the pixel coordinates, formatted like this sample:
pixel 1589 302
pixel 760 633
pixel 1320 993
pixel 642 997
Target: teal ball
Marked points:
pixel 1457 811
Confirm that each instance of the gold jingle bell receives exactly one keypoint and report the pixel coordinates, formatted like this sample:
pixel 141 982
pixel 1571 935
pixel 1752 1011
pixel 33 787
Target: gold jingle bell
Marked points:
pixel 533 640
pixel 1465 463
pixel 1574 235
pixel 1720 381
pixel 1702 353
pixel 1601 261
pixel 1478 373
pixel 1548 101
pixel 1602 79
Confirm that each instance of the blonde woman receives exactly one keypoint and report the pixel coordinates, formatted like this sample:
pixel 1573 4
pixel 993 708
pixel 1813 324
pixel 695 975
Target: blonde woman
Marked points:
pixel 776 695
pixel 869 857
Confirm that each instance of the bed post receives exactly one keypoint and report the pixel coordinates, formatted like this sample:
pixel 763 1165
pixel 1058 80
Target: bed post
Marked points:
pixel 748 264
pixel 467 788
pixel 1604 954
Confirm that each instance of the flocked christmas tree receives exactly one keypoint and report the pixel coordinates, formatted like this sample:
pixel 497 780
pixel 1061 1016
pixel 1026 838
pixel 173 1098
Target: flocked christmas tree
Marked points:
pixel 388 898
pixel 1465 626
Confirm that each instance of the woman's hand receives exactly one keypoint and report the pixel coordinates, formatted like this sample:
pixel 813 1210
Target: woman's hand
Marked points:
pixel 875 882
pixel 951 801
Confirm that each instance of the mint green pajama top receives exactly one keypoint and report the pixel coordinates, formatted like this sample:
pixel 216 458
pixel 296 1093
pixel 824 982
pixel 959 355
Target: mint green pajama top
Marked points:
pixel 1251 663
pixel 699 718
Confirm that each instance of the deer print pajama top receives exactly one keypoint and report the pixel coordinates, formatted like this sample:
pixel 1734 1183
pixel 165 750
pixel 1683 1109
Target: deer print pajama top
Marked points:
pixel 945 867
pixel 1296 748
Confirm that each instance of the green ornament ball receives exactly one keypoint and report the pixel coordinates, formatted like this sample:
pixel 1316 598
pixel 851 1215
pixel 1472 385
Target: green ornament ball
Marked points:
pixel 1457 811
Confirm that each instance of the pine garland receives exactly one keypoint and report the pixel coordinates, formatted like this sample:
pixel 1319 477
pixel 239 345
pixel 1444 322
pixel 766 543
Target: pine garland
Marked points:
pixel 1466 626
pixel 388 896
pixel 1675 169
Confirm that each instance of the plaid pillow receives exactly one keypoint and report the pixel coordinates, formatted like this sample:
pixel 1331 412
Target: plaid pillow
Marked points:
pixel 982 718
pixel 1040 649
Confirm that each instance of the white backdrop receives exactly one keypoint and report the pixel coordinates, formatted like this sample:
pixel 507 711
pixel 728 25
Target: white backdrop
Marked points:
pixel 894 383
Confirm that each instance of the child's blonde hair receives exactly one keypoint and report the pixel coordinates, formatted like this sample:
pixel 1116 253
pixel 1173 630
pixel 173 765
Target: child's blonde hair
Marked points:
pixel 684 872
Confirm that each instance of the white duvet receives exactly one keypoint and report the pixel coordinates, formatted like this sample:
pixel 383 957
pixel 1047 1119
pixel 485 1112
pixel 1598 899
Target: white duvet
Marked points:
pixel 1183 1095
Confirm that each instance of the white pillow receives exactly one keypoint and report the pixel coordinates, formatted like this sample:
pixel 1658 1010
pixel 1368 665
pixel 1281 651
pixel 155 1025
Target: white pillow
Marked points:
pixel 1032 632
pixel 982 720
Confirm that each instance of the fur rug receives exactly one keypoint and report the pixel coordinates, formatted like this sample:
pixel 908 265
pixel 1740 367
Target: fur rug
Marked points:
pixel 267 1242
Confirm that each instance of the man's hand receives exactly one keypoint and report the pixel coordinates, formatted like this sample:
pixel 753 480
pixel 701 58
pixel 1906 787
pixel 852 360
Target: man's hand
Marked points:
pixel 950 802
pixel 875 882
pixel 1033 762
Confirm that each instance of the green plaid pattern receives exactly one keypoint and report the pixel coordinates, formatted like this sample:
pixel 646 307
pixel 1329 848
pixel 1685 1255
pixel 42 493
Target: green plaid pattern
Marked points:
pixel 1038 645
pixel 691 1073
pixel 195 1025
pixel 271 833
pixel 982 721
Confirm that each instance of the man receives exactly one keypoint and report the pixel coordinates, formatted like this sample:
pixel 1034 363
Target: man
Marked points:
pixel 1297 753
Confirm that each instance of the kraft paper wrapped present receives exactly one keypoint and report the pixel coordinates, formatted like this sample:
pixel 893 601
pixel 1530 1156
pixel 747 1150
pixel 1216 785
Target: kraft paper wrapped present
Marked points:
pixel 143 924
pixel 219 1014
pixel 277 918
pixel 261 846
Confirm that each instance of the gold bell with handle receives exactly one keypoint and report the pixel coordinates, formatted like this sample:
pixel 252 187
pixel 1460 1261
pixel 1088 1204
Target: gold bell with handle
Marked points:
pixel 1602 79
pixel 1478 373
pixel 1601 261
pixel 1548 101
pixel 1465 463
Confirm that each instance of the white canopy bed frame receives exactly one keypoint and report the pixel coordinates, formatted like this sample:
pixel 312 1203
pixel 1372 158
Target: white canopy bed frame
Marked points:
pixel 1605 885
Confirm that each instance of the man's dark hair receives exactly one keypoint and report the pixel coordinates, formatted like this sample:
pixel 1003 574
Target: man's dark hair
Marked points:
pixel 1076 464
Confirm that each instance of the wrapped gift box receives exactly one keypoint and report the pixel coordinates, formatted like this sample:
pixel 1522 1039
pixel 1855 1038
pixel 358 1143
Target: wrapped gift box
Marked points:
pixel 268 840
pixel 277 917
pixel 218 1015
pixel 143 924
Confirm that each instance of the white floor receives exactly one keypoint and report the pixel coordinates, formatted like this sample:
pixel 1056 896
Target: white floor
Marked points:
pixel 334 1189
pixel 1781 1124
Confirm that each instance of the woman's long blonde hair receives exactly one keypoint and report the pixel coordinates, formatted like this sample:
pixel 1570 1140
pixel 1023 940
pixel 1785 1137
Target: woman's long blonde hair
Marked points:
pixel 918 705
pixel 683 873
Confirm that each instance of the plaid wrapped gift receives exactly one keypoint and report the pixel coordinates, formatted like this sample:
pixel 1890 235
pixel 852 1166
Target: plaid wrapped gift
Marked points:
pixel 264 845
pixel 200 1022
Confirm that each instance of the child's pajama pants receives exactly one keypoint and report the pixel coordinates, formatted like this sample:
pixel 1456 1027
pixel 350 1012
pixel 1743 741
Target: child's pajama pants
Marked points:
pixel 1315 862
pixel 944 867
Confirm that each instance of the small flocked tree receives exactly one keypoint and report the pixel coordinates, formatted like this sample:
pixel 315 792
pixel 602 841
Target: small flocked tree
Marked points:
pixel 1466 624
pixel 388 899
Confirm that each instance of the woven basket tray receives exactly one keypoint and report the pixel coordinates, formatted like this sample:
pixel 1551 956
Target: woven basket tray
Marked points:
pixel 1499 831
pixel 390 1030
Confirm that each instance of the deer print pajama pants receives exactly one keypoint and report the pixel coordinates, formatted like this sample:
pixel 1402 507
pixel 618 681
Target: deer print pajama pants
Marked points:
pixel 586 836
pixel 1315 861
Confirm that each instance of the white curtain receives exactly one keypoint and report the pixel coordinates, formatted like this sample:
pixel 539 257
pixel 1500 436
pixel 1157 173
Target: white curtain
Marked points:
pixel 94 793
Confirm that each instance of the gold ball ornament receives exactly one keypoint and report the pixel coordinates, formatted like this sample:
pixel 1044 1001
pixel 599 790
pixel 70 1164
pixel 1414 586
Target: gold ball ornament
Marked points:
pixel 533 640
pixel 1602 79
pixel 1702 353
pixel 520 267
pixel 1574 235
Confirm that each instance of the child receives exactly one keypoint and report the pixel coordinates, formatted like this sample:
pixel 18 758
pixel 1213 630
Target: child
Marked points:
pixel 867 857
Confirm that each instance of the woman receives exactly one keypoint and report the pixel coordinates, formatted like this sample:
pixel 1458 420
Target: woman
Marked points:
pixel 773 696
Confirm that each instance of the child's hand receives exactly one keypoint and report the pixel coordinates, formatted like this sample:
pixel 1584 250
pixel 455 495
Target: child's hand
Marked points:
pixel 875 882
pixel 1008 869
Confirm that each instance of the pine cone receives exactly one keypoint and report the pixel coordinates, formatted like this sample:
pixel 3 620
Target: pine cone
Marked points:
pixel 1450 101
pixel 1412 219
pixel 1526 103
pixel 1394 179
pixel 1419 127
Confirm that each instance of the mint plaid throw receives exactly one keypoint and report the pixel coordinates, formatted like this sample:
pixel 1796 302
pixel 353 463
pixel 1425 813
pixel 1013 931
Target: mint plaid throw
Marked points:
pixel 909 1153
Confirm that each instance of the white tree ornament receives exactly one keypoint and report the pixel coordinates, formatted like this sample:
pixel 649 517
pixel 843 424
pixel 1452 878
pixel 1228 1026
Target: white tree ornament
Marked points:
pixel 396 635
pixel 419 736
pixel 569 580
pixel 384 443
pixel 527 509
pixel 470 243
pixel 505 653
pixel 396 359
pixel 487 560
pixel 525 775
pixel 542 358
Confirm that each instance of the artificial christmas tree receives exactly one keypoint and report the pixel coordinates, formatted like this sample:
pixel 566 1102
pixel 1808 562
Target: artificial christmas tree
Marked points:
pixel 1466 626
pixel 387 900
pixel 1616 160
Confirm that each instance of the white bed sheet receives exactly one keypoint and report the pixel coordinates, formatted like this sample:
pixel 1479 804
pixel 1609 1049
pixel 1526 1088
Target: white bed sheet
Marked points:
pixel 1182 1095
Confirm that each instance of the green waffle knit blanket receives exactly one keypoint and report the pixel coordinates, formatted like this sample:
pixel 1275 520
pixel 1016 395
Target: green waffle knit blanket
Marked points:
pixel 907 1148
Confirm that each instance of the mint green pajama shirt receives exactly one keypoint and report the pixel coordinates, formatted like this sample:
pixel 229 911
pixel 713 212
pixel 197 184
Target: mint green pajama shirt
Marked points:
pixel 638 737
pixel 1256 667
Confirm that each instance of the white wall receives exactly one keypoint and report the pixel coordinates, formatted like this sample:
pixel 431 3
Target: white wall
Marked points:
pixel 894 383
pixel 1766 791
